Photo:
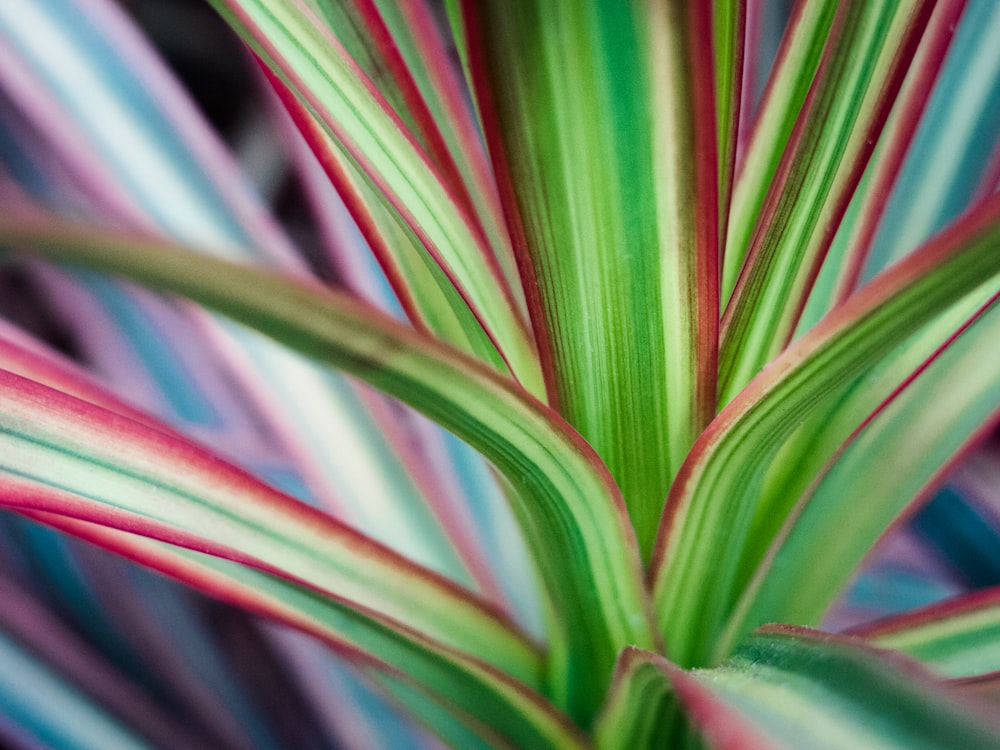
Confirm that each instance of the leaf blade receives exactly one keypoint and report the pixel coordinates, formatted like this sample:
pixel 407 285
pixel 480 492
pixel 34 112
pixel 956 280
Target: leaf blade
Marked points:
pixel 725 469
pixel 569 509
pixel 445 677
pixel 621 282
pixel 806 689
pixel 862 71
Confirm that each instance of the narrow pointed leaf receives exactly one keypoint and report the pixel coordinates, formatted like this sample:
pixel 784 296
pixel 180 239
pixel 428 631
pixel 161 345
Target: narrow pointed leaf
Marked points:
pixel 641 709
pixel 952 403
pixel 787 88
pixel 729 36
pixel 948 158
pixel 861 73
pixel 485 697
pixel 956 638
pixel 317 69
pixel 164 168
pixel 842 267
pixel 64 455
pixel 423 289
pixel 614 219
pixel 399 46
pixel 712 505
pixel 570 511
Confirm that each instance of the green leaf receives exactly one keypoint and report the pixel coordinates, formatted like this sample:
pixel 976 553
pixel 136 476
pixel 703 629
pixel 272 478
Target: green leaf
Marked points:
pixel 641 709
pixel 788 85
pixel 107 112
pixel 471 698
pixel 600 120
pixel 794 688
pixel 860 493
pixel 956 638
pixel 569 509
pixel 315 67
pixel 860 75
pixel 399 47
pixel 425 293
pixel 729 35
pixel 65 455
pixel 843 264
pixel 698 569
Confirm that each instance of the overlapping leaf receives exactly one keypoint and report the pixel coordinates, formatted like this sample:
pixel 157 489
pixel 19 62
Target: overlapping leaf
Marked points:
pixel 712 506
pixel 863 66
pixel 793 688
pixel 568 507
pixel 144 112
pixel 950 404
pixel 317 69
pixel 491 707
pixel 956 638
pixel 842 267
pixel 619 251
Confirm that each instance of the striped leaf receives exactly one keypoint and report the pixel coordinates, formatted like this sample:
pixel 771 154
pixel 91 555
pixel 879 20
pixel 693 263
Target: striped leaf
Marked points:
pixel 490 705
pixel 641 710
pixel 712 505
pixel 951 404
pixel 620 250
pixel 569 508
pixel 316 67
pixel 399 46
pixel 163 169
pixel 787 87
pixel 64 455
pixel 849 251
pixel 864 63
pixel 794 688
pixel 423 289
pixel 956 638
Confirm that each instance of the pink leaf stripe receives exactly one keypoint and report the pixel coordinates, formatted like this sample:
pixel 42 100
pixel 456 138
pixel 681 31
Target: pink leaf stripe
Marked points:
pixel 241 592
pixel 22 355
pixel 967 603
pixel 721 725
pixel 707 189
pixel 416 106
pixel 850 339
pixel 751 592
pixel 336 171
pixel 240 515
pixel 870 298
pixel 272 55
pixel 907 112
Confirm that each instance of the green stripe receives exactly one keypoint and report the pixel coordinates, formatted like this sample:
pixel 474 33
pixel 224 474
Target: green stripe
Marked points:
pixel 594 131
pixel 787 89
pixel 430 675
pixel 863 492
pixel 838 129
pixel 568 510
pixel 804 690
pixel 337 96
pixel 962 644
pixel 641 710
pixel 699 568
